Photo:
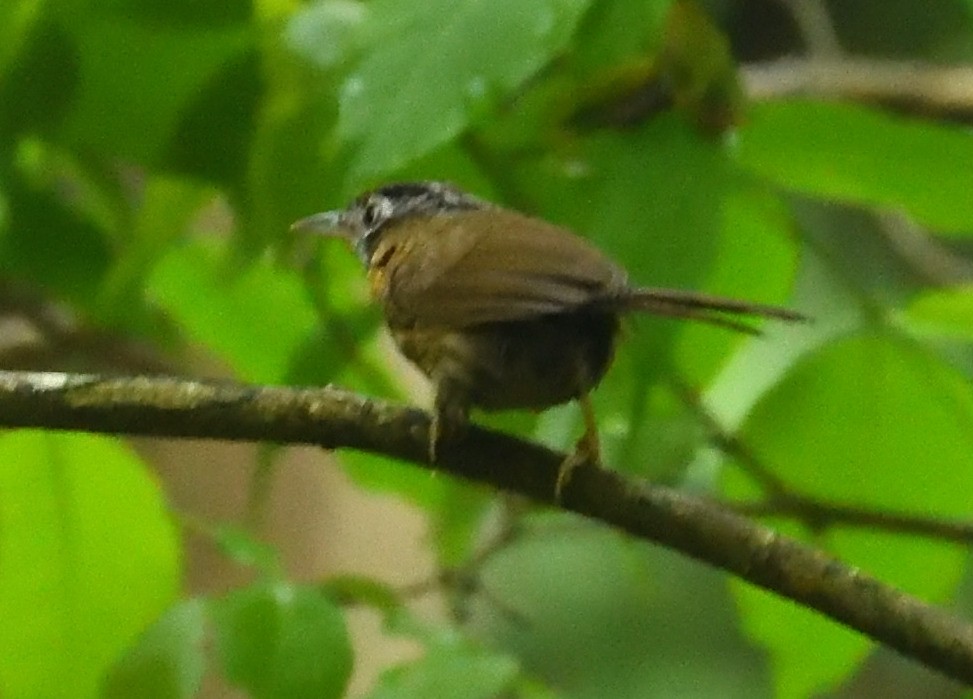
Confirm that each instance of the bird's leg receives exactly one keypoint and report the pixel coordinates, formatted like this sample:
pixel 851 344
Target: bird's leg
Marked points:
pixel 450 413
pixel 589 445
pixel 587 450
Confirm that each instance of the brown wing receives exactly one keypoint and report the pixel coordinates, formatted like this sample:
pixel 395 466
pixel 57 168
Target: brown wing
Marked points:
pixel 493 265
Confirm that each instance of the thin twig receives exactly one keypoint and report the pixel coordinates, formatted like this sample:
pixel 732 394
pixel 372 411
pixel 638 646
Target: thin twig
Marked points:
pixel 732 446
pixel 782 500
pixel 819 515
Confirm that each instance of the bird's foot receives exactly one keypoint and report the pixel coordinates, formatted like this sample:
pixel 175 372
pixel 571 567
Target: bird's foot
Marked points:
pixel 586 451
pixel 445 425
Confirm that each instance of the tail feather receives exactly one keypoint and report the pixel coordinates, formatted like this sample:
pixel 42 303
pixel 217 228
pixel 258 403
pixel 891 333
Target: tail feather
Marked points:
pixel 715 310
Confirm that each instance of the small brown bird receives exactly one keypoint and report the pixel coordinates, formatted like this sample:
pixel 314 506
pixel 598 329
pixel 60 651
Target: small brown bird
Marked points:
pixel 501 310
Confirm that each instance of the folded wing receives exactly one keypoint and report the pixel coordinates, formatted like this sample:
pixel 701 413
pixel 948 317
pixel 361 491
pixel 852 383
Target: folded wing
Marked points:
pixel 497 265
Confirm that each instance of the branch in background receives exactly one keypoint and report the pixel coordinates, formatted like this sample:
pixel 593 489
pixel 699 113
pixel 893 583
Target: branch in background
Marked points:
pixel 818 515
pixel 922 89
pixel 330 417
pixel 38 332
pixel 927 256
pixel 814 22
pixel 781 500
pixel 913 87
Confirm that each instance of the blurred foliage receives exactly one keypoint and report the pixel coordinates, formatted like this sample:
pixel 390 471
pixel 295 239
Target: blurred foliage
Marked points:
pixel 152 156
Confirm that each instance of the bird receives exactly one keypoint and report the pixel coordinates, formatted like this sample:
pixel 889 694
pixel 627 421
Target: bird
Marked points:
pixel 499 309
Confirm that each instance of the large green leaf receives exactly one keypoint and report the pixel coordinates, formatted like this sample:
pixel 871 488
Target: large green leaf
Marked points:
pixel 651 198
pixel 616 31
pixel 120 111
pixel 756 261
pixel 89 559
pixel 212 138
pixel 860 155
pixel 279 640
pixel 452 667
pixel 17 18
pixel 878 423
pixel 167 662
pixel 788 631
pixel 52 245
pixel 326 33
pixel 436 66
pixel 287 176
pixel 946 313
pixel 256 319
pixel 593 616
pixel 39 81
pixel 168 205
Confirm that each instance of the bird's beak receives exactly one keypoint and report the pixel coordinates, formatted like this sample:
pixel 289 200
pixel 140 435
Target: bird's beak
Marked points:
pixel 328 223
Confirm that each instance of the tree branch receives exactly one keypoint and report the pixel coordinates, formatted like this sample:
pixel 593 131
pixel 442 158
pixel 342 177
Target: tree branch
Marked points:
pixel 913 87
pixel 333 418
pixel 782 500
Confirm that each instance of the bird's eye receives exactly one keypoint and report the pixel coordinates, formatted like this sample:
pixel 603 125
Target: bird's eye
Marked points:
pixel 374 213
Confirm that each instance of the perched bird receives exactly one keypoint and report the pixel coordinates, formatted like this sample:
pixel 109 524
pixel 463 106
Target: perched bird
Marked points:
pixel 502 310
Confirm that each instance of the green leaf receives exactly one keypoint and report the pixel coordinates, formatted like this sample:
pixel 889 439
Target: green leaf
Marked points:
pixel 279 640
pixel 595 615
pixel 167 662
pixel 288 176
pixel 860 155
pixel 457 520
pixel 452 668
pixel 40 80
pixel 879 423
pixel 90 559
pixel 614 31
pixel 361 590
pixel 17 18
pixel 757 261
pixel 240 546
pixel 186 14
pixel 212 138
pixel 436 66
pixel 51 245
pixel 456 508
pixel 697 62
pixel 121 112
pixel 163 217
pixel 946 313
pixel 650 198
pixel 326 33
pixel 422 487
pixel 255 319
pixel 758 364
pixel 787 631
pixel 888 421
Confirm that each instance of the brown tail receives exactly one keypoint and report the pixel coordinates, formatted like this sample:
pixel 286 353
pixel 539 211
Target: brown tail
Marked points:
pixel 715 310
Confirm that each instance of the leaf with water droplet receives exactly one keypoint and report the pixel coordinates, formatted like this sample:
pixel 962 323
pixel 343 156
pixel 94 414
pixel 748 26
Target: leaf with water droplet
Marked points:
pixel 436 67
